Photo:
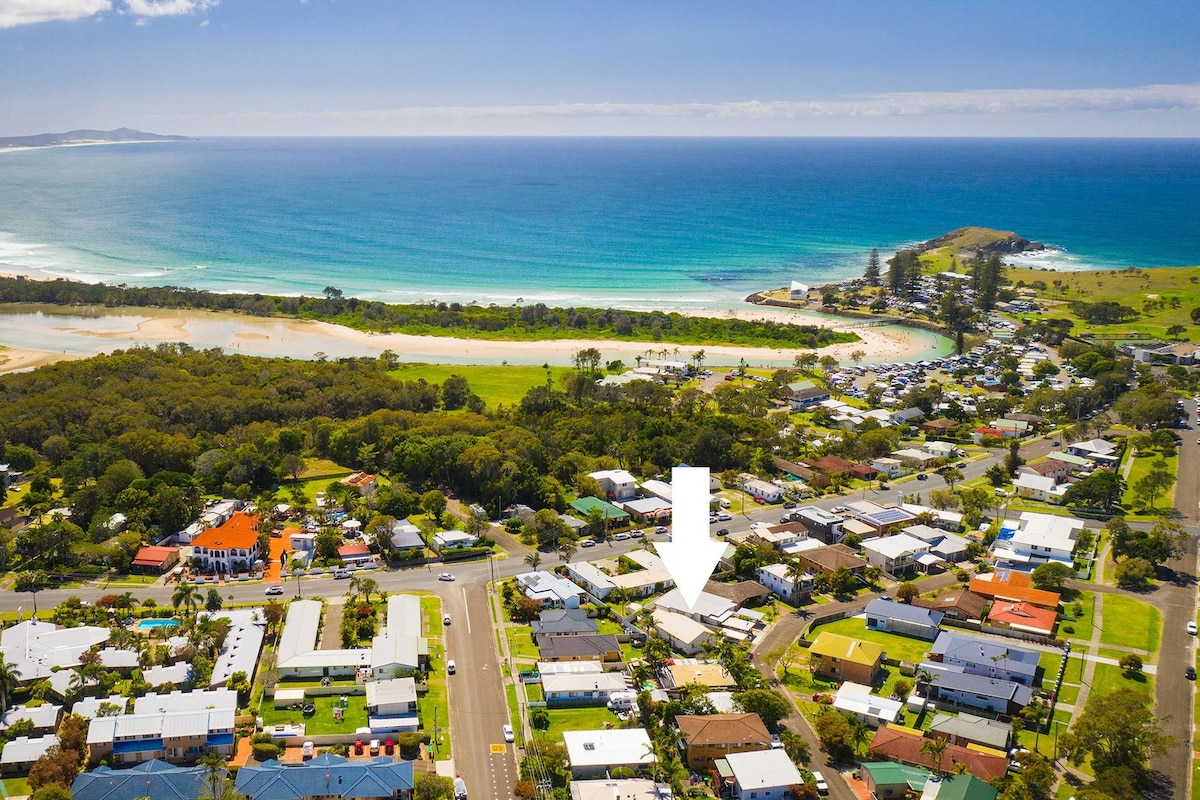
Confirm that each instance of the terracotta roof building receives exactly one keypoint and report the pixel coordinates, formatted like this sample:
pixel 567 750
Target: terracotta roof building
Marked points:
pixel 231 547
pixel 900 745
pixel 742 593
pixel 827 560
pixel 958 604
pixel 1023 617
pixel 712 736
pixel 155 560
pixel 830 465
pixel 1013 586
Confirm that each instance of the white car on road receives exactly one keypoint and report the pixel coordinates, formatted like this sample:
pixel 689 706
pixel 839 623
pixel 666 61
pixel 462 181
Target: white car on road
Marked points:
pixel 445 576
pixel 509 736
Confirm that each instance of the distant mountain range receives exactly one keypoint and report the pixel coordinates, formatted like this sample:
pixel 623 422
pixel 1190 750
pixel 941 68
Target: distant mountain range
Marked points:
pixel 86 137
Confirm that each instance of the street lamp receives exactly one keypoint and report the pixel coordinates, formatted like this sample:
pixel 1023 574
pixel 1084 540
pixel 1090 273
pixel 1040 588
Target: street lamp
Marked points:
pixel 296 575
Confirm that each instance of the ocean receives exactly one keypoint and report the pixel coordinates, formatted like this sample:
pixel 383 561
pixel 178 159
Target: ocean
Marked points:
pixel 638 223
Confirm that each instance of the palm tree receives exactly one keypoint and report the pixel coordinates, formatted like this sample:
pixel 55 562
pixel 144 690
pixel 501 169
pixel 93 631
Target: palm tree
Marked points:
pixel 534 560
pixel 125 602
pixel 9 678
pixel 216 780
pixel 860 734
pixel 186 596
pixel 354 590
pixel 1035 714
pixel 795 571
pixel 935 749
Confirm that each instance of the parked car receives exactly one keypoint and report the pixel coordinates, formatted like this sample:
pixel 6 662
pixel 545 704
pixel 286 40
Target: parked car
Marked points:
pixel 822 786
pixel 451 668
pixel 445 619
pixel 341 574
pixel 445 576
pixel 789 504
pixel 276 588
pixel 389 747
pixel 725 516
pixel 306 750
pixel 374 749
pixel 1190 673
pixel 621 537
pixel 637 534
pixel 921 476
pixel 509 736
pixel 723 532
pixel 358 748
pixel 587 543
pixel 1191 627
pixel 661 530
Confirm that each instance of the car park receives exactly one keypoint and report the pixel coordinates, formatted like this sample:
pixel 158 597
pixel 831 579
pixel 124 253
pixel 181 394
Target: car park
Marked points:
pixel 445 576
pixel 275 589
pixel 509 736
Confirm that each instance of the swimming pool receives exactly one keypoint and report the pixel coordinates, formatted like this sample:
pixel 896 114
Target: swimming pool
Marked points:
pixel 152 624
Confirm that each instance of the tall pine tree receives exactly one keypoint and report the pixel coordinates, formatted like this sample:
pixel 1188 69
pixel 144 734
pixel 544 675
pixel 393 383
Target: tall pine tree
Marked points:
pixel 872 274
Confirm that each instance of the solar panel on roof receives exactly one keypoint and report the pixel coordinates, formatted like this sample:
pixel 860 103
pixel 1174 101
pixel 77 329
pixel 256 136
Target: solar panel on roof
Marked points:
pixel 889 515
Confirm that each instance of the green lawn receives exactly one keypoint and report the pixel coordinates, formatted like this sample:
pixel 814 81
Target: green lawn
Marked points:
pixel 1083 625
pixel 16 787
pixel 520 642
pixel 322 722
pixel 514 712
pixel 904 648
pixel 1048 665
pixel 1109 678
pixel 533 691
pixel 495 384
pixel 577 719
pixel 1141 466
pixel 1129 622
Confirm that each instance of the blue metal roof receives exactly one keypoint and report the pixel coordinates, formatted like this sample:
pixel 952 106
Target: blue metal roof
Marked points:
pixel 326 775
pixel 153 778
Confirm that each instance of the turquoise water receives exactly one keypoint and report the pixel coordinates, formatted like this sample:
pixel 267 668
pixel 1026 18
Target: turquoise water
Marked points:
pixel 153 624
pixel 644 223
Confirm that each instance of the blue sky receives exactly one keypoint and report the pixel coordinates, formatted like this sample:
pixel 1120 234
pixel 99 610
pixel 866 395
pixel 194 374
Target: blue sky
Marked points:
pixel 607 67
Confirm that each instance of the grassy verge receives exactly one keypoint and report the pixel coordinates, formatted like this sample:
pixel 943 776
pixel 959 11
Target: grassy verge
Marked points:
pixel 1129 622
pixel 1109 678
pixel 1083 625
pixel 514 712
pixel 520 642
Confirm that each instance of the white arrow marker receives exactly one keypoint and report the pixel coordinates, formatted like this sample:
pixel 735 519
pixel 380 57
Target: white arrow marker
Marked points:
pixel 690 556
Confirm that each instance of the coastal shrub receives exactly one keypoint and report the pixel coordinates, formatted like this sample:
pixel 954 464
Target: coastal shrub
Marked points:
pixel 265 752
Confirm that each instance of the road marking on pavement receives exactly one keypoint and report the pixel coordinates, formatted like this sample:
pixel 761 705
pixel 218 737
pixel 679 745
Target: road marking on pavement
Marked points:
pixel 468 607
pixel 499 749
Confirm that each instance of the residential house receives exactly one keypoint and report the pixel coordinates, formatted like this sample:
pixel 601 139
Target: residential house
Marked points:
pixel 155 560
pixel 947 546
pixel 595 753
pixel 957 687
pixel 355 554
pixel 742 594
pixel 887 779
pixel 761 490
pixel 887 615
pixel 178 736
pixel 230 547
pixel 659 489
pixel 601 577
pixel 1078 464
pixel 579 647
pixel 856 699
pixel 914 458
pixel 708 609
pixel 581 689
pixel 1100 451
pixel 683 633
pixel 844 658
pixel 798 291
pixel 550 590
pixel 648 509
pixel 828 560
pixel 22 752
pixel 708 737
pixel 907 416
pixel 618 484
pixel 1037 539
pixel 444 541
pixel 1050 468
pixel 37 648
pixel 904 746
pixel 946 520
pixel 980 656
pixel 610 513
pixel 880 519
pixel 966 729
pixel 1038 487
pixel 328 777
pixel 1013 586
pixel 153 778
pixel 889 467
pixel 364 482
pixel 684 672
pixel 44 718
pixel 406 536
pixel 898 554
pixel 563 622
pixel 625 789
pixel 1024 617
pixel 940 449
pixel 763 775
pixel 392 705
pixel 958 787
pixel 830 465
pixel 399 645
pixel 801 397
pixel 938 427
pixel 821 524
pixel 958 604
pixel 779 580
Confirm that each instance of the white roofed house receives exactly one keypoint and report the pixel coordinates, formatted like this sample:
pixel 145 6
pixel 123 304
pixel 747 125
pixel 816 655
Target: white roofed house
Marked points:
pixel 767 492
pixel 682 632
pixel 798 291
pixel 763 775
pixel 855 698
pixel 550 590
pixel 21 753
pixel 1039 487
pixel 889 467
pixel 776 578
pixel 37 648
pixel 894 554
pixel 618 484
pixel 392 705
pixel 581 688
pixel 1040 538
pixel 647 509
pixel 594 753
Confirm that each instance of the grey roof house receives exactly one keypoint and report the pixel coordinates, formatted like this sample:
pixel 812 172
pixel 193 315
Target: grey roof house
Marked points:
pixel 979 656
pixel 886 615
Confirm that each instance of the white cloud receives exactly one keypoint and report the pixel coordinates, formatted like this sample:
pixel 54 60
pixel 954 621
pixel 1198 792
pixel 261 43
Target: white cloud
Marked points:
pixel 167 8
pixel 28 12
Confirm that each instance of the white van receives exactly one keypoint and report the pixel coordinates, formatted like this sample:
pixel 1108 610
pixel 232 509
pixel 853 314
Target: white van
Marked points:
pixel 306 750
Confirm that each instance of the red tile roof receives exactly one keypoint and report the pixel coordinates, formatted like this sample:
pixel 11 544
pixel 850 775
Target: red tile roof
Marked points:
pixel 353 550
pixel 154 556
pixel 1014 586
pixel 239 533
pixel 905 747
pixel 1023 615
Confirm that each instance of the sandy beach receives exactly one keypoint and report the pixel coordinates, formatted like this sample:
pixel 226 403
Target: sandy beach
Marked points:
pixel 63 335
